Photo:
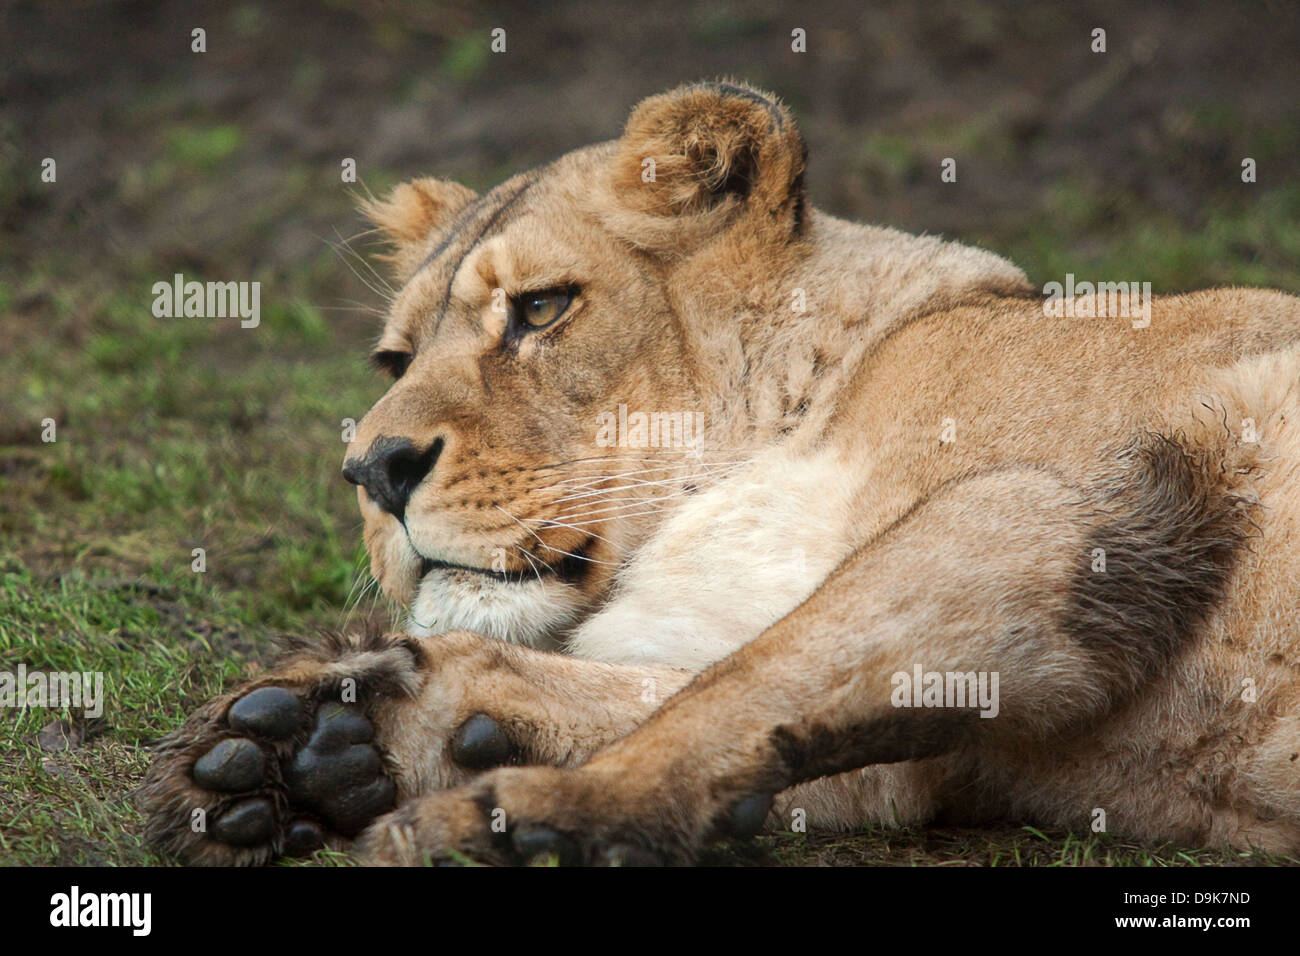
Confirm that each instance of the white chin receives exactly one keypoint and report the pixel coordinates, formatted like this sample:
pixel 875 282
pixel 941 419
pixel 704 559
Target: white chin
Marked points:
pixel 531 612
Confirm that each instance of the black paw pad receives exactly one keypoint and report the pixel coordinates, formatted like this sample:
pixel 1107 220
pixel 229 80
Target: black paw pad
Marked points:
pixel 748 814
pixel 353 809
pixel 533 841
pixel 339 774
pixel 232 766
pixel 304 838
pixel 337 726
pixel 269 712
pixel 480 743
pixel 247 823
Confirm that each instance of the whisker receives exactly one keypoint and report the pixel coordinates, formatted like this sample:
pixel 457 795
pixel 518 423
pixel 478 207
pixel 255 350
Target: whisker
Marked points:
pixel 680 462
pixel 633 483
pixel 551 522
pixel 539 537
pixel 531 563
pixel 613 504
pixel 377 284
pixel 550 547
pixel 365 261
pixel 582 482
pixel 580 557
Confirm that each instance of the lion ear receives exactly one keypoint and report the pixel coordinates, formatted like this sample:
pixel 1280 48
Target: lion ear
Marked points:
pixel 409 215
pixel 700 147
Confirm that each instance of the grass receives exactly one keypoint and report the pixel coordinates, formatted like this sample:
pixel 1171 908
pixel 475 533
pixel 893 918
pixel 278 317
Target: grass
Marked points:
pixel 184 435
pixel 1239 243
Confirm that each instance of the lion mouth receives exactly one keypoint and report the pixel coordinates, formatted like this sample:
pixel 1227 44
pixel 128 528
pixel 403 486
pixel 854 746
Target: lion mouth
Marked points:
pixel 571 569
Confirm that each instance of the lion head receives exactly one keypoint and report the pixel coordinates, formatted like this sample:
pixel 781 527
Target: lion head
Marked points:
pixel 568 354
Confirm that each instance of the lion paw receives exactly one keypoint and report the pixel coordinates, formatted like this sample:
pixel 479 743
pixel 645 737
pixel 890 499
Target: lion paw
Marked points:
pixel 516 816
pixel 281 768
pixel 281 774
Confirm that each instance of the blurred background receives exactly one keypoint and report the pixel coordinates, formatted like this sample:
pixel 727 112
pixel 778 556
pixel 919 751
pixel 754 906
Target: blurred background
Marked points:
pixel 175 434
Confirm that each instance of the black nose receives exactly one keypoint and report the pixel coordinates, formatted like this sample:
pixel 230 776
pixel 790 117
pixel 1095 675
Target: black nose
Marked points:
pixel 391 471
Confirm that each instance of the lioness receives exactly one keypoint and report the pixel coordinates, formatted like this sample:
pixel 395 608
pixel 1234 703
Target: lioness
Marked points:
pixel 713 512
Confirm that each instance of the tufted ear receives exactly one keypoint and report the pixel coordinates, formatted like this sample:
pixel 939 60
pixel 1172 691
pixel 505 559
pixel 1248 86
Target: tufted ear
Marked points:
pixel 409 215
pixel 699 148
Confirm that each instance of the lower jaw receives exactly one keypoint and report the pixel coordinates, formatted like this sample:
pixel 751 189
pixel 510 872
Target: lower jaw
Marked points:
pixel 571 570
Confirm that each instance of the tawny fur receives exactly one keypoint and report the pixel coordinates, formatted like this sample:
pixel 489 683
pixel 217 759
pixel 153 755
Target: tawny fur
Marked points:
pixel 822 536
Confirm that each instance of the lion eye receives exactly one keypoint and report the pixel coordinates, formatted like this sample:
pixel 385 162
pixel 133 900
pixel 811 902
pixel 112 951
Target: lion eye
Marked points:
pixel 393 362
pixel 539 309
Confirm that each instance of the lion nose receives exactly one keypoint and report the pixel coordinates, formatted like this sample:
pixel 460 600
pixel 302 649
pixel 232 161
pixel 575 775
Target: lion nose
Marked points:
pixel 391 471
